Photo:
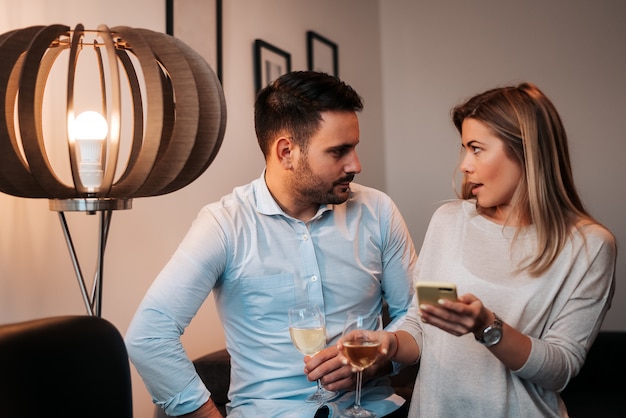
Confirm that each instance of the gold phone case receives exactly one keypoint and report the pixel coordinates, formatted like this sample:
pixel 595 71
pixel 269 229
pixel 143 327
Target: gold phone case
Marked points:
pixel 431 292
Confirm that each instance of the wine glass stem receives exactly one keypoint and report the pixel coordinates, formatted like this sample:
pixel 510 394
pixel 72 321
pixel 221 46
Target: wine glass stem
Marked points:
pixel 319 385
pixel 359 380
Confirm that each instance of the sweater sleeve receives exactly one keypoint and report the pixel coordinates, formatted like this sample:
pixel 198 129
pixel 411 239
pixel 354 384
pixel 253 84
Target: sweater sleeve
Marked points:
pixel 559 353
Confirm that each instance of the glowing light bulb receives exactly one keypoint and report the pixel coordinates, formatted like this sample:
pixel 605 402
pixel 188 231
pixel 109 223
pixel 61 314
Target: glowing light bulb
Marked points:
pixel 90 130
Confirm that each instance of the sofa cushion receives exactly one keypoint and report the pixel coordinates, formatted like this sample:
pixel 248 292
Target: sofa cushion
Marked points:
pixel 214 370
pixel 599 388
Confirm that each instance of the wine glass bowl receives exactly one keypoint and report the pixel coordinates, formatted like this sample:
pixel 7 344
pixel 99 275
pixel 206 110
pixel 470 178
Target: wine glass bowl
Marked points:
pixel 307 329
pixel 308 341
pixel 362 352
pixel 361 345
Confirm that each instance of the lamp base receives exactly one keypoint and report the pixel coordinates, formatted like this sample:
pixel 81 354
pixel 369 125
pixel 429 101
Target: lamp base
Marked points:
pixel 105 206
pixel 89 204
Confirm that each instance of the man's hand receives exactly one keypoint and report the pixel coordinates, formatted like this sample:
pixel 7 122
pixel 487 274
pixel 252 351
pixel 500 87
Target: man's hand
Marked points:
pixel 208 410
pixel 327 365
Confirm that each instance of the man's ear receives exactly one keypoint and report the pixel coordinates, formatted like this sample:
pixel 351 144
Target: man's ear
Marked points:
pixel 284 149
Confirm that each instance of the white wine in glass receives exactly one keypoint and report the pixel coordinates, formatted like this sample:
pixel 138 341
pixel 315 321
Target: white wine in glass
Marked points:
pixel 307 328
pixel 361 344
pixel 308 341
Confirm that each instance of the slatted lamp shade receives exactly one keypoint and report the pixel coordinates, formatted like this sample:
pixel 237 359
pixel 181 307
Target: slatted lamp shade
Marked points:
pixel 170 96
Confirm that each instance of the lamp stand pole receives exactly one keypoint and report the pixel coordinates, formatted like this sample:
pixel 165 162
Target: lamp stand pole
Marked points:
pixel 93 299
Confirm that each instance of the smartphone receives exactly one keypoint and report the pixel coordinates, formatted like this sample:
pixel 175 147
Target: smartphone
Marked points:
pixel 431 292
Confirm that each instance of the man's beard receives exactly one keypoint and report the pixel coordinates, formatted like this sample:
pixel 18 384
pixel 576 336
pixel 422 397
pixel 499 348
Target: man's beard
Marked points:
pixel 308 187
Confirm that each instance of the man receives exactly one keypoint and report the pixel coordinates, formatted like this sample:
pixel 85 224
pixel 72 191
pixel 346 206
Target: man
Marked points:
pixel 302 232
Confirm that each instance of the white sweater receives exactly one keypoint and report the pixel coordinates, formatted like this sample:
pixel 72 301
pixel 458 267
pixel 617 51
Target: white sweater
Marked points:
pixel 561 311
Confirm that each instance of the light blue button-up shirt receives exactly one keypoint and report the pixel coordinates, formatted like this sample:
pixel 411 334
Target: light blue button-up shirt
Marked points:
pixel 258 261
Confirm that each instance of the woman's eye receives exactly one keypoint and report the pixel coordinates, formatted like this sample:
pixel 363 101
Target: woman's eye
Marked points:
pixel 476 150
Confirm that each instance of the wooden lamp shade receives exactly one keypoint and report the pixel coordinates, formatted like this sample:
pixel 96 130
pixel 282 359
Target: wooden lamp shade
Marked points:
pixel 182 102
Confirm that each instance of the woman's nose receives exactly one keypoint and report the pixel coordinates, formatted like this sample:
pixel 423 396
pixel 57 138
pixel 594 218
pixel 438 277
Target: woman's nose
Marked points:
pixel 466 165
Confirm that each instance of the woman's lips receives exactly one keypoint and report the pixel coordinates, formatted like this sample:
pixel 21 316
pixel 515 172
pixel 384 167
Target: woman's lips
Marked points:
pixel 475 187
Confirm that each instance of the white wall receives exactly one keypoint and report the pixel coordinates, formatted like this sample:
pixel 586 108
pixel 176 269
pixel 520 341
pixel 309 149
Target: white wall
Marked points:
pixel 435 54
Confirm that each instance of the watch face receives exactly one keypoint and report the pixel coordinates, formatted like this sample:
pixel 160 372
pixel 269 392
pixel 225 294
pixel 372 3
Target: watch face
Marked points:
pixel 492 336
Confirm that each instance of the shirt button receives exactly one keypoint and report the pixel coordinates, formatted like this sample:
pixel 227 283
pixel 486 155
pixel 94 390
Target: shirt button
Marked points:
pixel 305 237
pixel 313 278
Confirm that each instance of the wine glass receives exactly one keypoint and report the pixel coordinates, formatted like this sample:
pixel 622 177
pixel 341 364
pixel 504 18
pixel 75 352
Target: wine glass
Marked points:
pixel 361 342
pixel 307 328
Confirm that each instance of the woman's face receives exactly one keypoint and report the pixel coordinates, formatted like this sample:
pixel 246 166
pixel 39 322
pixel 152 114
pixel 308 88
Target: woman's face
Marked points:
pixel 492 174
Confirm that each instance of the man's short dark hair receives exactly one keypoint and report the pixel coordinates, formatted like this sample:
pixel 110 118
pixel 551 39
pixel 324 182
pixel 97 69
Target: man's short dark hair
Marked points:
pixel 293 103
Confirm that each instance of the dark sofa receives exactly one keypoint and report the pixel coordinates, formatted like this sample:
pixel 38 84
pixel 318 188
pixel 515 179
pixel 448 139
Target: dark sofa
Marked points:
pixel 599 389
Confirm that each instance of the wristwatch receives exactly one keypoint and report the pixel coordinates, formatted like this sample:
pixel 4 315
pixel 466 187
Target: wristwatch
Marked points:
pixel 492 334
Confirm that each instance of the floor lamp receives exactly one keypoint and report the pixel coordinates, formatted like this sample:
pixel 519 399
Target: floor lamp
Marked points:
pixel 175 129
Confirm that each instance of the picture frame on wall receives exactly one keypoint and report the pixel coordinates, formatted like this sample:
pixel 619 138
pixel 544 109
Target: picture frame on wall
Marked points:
pixel 270 62
pixel 322 54
pixel 198 23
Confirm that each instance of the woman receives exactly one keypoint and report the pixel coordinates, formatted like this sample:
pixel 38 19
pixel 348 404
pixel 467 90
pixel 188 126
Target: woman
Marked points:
pixel 534 271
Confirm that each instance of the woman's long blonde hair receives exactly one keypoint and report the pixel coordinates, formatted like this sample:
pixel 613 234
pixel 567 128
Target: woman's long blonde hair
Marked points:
pixel 531 129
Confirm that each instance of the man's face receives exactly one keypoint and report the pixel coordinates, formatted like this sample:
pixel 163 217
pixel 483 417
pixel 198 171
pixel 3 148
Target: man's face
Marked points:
pixel 324 172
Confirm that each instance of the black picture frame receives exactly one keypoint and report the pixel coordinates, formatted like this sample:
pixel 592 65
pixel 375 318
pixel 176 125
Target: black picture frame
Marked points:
pixel 270 62
pixel 322 54
pixel 197 16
